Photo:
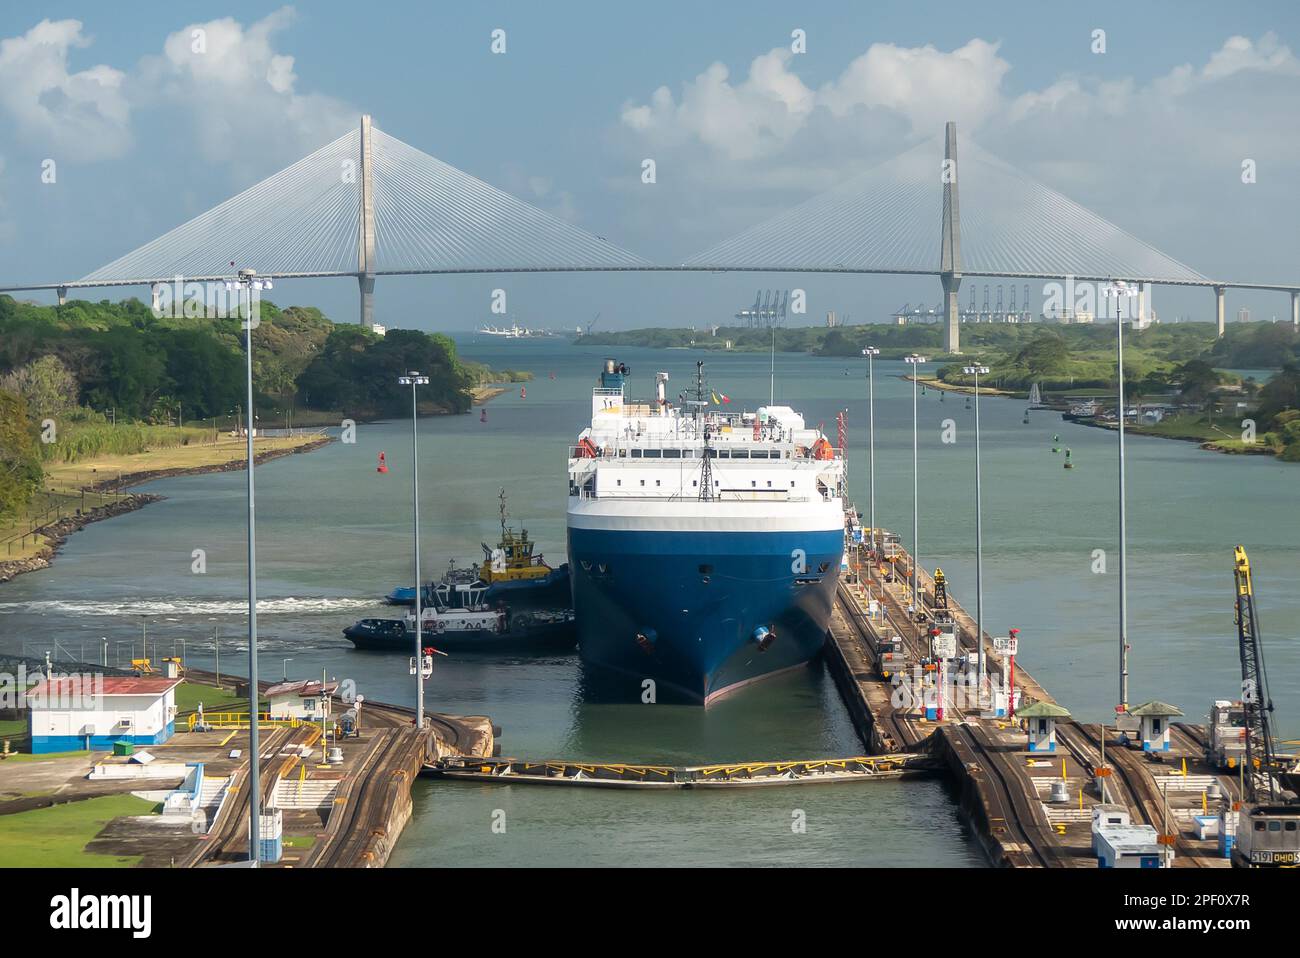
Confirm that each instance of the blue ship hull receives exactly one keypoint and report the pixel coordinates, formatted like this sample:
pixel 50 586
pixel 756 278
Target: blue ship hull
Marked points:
pixel 687 609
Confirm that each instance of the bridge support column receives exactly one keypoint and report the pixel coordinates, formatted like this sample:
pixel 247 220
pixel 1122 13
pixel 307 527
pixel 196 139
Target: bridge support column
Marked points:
pixel 367 285
pixel 366 229
pixel 1295 307
pixel 63 295
pixel 951 315
pixel 950 244
pixel 1218 310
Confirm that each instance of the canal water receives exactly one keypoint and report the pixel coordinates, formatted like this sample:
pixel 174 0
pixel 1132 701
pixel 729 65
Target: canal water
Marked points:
pixel 333 534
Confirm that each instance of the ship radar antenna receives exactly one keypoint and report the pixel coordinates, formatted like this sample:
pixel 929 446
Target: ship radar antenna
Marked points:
pixel 502 497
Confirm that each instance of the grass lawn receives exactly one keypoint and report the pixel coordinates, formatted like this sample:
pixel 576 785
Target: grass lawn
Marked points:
pixel 299 841
pixel 29 757
pixel 13 728
pixel 56 837
pixel 190 694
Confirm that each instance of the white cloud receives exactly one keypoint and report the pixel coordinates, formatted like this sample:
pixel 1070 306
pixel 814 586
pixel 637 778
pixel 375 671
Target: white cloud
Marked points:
pixel 740 121
pixel 55 110
pixel 235 86
pixel 761 114
pixel 924 84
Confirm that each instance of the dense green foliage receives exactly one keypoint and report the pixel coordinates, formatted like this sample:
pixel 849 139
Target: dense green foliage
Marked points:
pixel 1256 346
pixel 121 359
pixel 1169 344
pixel 357 370
pixel 20 465
pixel 110 376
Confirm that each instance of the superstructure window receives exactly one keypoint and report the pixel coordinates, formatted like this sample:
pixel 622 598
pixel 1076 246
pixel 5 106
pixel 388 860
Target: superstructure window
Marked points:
pixel 636 453
pixel 672 454
pixel 652 453
pixel 740 454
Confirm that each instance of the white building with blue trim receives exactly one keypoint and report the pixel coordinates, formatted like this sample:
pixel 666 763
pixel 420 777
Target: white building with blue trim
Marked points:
pixel 90 712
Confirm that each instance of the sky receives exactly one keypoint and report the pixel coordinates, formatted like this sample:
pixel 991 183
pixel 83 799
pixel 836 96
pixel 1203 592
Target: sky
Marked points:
pixel 1151 134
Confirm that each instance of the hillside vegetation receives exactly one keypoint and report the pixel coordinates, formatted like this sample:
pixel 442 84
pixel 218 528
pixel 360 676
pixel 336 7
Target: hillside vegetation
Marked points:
pixel 111 378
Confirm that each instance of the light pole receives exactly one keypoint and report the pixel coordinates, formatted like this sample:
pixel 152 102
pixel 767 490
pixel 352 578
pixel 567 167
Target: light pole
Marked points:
pixel 1119 290
pixel 915 362
pixel 871 352
pixel 414 379
pixel 284 669
pixel 977 371
pixel 247 281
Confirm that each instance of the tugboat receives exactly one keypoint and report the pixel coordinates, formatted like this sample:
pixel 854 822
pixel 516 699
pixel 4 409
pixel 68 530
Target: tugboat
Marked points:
pixel 462 621
pixel 510 572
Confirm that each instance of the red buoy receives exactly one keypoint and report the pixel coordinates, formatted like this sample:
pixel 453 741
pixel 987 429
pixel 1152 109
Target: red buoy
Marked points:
pixel 483 414
pixel 523 392
pixel 383 463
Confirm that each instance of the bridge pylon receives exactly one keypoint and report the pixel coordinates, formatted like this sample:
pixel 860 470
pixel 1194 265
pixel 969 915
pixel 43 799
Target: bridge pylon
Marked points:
pixel 950 253
pixel 366 229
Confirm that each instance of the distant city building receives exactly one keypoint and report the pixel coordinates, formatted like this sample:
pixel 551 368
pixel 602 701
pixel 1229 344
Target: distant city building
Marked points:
pixel 1069 317
pixel 1243 315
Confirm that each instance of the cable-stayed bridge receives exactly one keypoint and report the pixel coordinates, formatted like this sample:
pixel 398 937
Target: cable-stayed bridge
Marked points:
pixel 368 205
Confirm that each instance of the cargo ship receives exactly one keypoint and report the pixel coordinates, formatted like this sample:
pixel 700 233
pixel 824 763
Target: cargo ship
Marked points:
pixel 704 544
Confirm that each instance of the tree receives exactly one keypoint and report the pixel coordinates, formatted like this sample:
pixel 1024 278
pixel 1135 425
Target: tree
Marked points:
pixel 1197 381
pixel 20 465
pixel 47 384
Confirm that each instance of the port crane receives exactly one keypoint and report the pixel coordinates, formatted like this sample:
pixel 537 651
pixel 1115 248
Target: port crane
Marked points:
pixel 1261 758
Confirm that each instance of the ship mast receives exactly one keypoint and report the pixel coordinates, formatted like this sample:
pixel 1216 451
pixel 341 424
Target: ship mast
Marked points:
pixel 502 497
pixel 706 466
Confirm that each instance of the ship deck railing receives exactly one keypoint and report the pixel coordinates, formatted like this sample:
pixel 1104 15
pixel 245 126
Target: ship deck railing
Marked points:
pixel 620 448
pixel 722 495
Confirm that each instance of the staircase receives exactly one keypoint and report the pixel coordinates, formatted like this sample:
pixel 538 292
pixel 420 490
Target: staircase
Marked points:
pixel 312 793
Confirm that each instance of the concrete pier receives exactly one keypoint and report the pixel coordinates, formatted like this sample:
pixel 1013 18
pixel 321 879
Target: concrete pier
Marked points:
pixel 1218 310
pixel 1029 806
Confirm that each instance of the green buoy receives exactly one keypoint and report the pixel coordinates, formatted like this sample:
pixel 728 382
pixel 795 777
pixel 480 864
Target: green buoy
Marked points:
pixel 1068 463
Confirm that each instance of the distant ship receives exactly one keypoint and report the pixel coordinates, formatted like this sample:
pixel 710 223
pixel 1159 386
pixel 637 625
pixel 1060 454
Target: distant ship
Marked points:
pixel 705 546
pixel 514 331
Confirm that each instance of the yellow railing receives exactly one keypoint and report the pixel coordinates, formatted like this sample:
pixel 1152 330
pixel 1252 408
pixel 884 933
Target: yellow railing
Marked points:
pixel 232 720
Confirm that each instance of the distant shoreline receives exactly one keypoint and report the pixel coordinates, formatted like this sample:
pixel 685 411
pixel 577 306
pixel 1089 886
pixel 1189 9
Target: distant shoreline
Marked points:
pixel 56 533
